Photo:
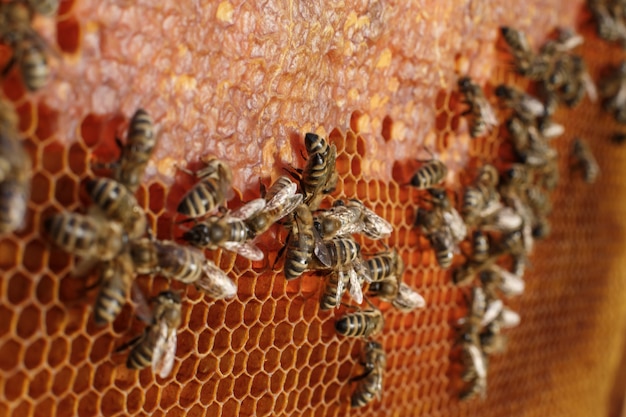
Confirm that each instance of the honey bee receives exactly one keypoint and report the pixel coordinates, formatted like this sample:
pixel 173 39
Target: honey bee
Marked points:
pixel 282 201
pixel 443 245
pixel 337 282
pixel 157 345
pixel 385 265
pixel 228 232
pixel 430 174
pixel 363 323
pixel 518 176
pixel 475 373
pixel 211 192
pixel 301 243
pixel 136 152
pixel 483 117
pixel 609 27
pixel 613 90
pixel 115 279
pixel 452 220
pixel 86 236
pixel 118 203
pixel 28 47
pixel 527 62
pixel 370 383
pixel 182 263
pixel 504 220
pixel 349 218
pixel 526 107
pixel 319 175
pixel 585 160
pixel 480 247
pixel 44 7
pixel 13 205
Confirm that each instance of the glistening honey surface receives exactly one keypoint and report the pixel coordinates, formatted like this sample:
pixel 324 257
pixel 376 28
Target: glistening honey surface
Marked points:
pixel 244 83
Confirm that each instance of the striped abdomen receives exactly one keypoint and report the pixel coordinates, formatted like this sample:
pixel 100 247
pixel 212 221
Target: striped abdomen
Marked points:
pixel 33 66
pixel 119 204
pixel 203 198
pixel 13 204
pixel 429 175
pixel 182 263
pixel 331 296
pixel 443 246
pixel 301 243
pixel 315 144
pixel 480 245
pixel 141 354
pixel 140 142
pixel 364 323
pixel 368 388
pixel 115 280
pixel 381 266
pixel 342 251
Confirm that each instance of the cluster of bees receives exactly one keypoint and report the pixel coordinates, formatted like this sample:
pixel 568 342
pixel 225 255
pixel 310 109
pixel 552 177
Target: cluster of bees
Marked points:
pixel 28 54
pixel 504 210
pixel 610 19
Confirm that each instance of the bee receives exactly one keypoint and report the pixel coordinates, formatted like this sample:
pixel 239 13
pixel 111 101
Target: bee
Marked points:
pixel 608 27
pixel 45 7
pixel 211 192
pixel 538 200
pixel 483 116
pixel 613 90
pixel 363 323
pixel 518 176
pixel 527 63
pixel 452 220
pixel 28 47
pixel 443 246
pixel 13 205
pixel 157 345
pixel 334 288
pixel 385 265
pixel 86 236
pixel 136 152
pixel 319 175
pixel 303 241
pixel 541 228
pixel 182 263
pixel 282 201
pixel 229 231
pixel 476 313
pixel 585 160
pixel 505 220
pixel 118 203
pixel 475 373
pixel 370 383
pixel 349 218
pixel 430 174
pixel 480 245
pixel 115 279
pixel 526 107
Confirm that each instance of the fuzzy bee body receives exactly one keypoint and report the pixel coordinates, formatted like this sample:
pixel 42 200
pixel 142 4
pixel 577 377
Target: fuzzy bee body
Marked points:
pixel 282 201
pixel 370 384
pixel 119 204
pixel 364 323
pixel 585 160
pixel 156 347
pixel 429 174
pixel 115 279
pixel 301 243
pixel 211 192
pixel 483 116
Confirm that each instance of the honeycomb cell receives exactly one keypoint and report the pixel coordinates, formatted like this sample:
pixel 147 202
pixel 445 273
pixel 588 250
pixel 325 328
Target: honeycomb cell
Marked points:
pixel 34 354
pixel 15 386
pixel 46 407
pixel 39 384
pixel 8 254
pixel 69 35
pixel 113 402
pixel 35 256
pixel 29 322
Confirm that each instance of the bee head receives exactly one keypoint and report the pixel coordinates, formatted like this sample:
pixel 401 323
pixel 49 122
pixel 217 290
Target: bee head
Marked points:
pixel 464 83
pixel 313 143
pixel 502 91
pixel 199 235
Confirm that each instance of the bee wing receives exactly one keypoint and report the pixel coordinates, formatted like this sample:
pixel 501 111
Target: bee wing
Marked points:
pixel 247 250
pixel 164 350
pixel 320 250
pixel 282 195
pixel 533 106
pixel 375 227
pixel 478 360
pixel 590 87
pixel 458 229
pixel 510 284
pixel 142 309
pixel 494 308
pixel 504 220
pixel 356 289
pixel 289 206
pixel 408 299
pixel 488 113
pixel 248 209
pixel 216 283
pixel 509 318
pixel 341 287
pixel 348 218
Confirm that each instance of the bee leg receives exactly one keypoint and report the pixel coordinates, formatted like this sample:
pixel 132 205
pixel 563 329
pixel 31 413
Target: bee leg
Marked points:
pixel 359 377
pixel 128 344
pixel 7 68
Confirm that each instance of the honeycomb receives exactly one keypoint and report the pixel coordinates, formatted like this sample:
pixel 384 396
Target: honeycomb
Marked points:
pixel 244 81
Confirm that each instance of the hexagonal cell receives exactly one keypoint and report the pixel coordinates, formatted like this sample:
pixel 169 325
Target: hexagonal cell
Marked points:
pixel 35 353
pixel 35 256
pixel 67 407
pixel 157 198
pixel 80 350
pixel 15 386
pixel 55 319
pixel 189 394
pixel 78 159
pixel 19 288
pixel 28 322
pixel 69 35
pixel 62 380
pixel 113 402
pixel 46 407
pixel 12 85
pixel 47 123
pixel 231 408
pixel 40 384
pixel 66 190
pixel 89 404
pixel 27 118
pixel 8 254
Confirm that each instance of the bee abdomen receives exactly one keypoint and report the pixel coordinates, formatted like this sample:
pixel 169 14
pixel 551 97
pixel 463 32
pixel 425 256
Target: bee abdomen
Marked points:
pixel 109 303
pixel 380 267
pixel 140 356
pixel 296 262
pixel 361 324
pixel 141 132
pixel 366 390
pixel 429 175
pixel 34 68
pixel 201 199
